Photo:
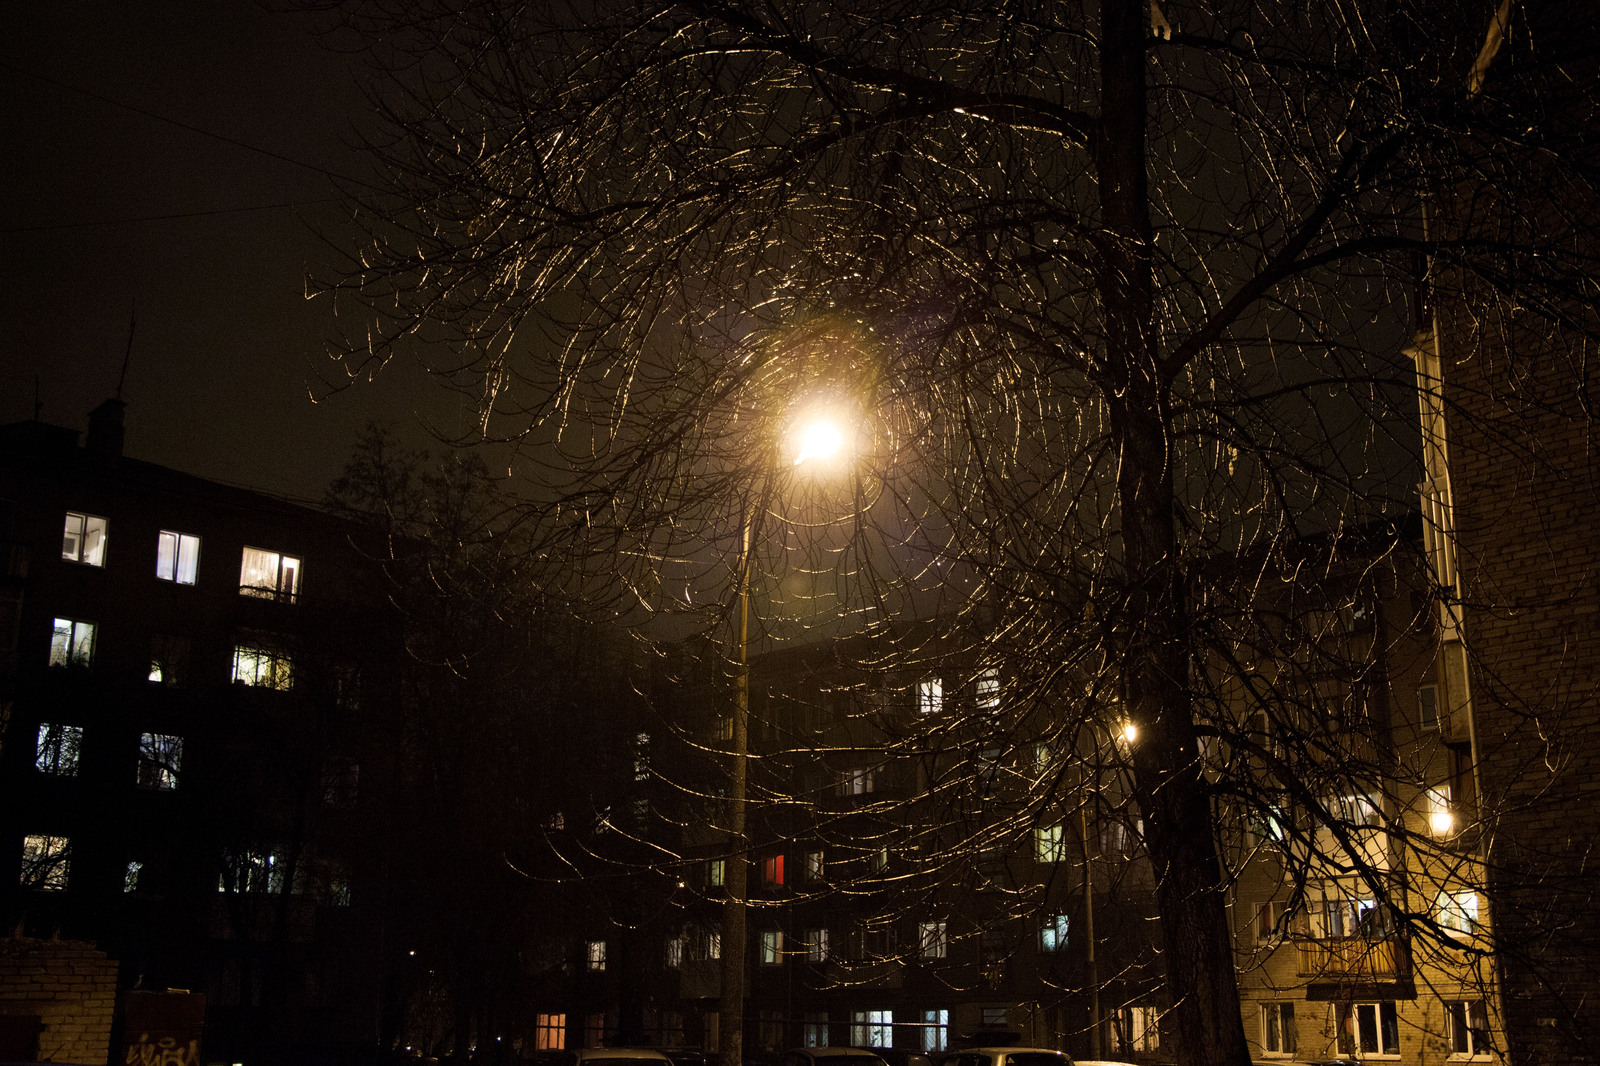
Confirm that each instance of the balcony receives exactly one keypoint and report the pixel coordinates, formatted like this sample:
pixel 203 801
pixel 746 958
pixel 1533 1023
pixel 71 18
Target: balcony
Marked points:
pixel 1350 959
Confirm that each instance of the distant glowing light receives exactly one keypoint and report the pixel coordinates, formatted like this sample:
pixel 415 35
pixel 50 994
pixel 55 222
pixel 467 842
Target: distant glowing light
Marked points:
pixel 1130 732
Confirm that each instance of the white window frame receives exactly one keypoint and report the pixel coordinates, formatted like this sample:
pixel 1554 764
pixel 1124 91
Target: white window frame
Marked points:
pixel 872 1028
pixel 594 956
pixel 857 781
pixel 1456 911
pixel 1053 935
pixel 72 642
pixel 814 865
pixel 674 953
pixel 933 941
pixel 817 945
pixel 269 575
pixel 771 947
pixel 177 557
pixel 986 689
pixel 1049 843
pixel 1279 1038
pixel 1467 1040
pixel 930 695
pixel 83 539
pixel 1370 1017
pixel 935 1030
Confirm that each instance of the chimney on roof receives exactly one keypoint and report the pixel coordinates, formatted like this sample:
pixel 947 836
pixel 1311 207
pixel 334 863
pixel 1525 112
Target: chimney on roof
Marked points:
pixel 105 431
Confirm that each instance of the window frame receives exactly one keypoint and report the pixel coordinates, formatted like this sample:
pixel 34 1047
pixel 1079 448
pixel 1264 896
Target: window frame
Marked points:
pixel 50 853
pixel 160 761
pixel 771 947
pixel 79 554
pixel 1385 1016
pixel 181 566
pixel 930 695
pixel 58 748
pixel 278 665
pixel 1050 843
pixel 1055 934
pixel 276 590
pixel 1279 1036
pixel 1459 1015
pixel 594 956
pixel 817 944
pixel 77 650
pixel 933 939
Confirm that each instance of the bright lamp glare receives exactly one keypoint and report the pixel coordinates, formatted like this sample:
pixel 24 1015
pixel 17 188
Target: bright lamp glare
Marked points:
pixel 1130 732
pixel 819 440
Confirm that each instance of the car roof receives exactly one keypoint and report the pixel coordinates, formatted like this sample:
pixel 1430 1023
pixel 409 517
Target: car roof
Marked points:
pixel 602 1054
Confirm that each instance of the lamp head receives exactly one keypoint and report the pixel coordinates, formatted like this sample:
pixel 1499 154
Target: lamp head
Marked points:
pixel 820 440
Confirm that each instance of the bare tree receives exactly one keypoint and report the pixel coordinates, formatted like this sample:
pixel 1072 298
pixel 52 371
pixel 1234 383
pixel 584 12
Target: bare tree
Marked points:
pixel 1110 292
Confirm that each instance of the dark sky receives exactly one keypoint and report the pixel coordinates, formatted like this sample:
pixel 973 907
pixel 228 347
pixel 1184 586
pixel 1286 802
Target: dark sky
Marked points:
pixel 105 210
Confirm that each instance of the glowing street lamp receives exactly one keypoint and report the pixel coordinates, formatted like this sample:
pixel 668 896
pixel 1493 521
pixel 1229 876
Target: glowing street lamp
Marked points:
pixel 818 441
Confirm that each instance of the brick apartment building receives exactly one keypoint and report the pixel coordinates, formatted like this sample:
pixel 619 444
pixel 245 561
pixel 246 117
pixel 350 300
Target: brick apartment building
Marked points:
pixel 182 667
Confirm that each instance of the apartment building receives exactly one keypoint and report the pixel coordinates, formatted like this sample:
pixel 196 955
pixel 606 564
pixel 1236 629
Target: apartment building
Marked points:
pixel 185 671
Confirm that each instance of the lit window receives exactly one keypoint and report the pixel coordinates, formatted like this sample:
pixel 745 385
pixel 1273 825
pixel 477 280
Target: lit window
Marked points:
pixel 262 668
pixel 550 1032
pixel 251 871
pixel 771 947
pixel 872 1028
pixel 1138 1029
pixel 994 1017
pixel 71 642
pixel 130 876
pixel 715 869
pixel 595 956
pixel 1377 1028
pixel 772 870
pixel 674 952
pixel 1049 843
pixel 880 860
pixel 269 575
pixel 1269 825
pixel 177 557
pixel 1269 921
pixel 817 945
pixel 57 750
pixel 932 943
pixel 1457 911
pixel 987 690
pixel 815 1029
pixel 46 862
pixel 935 1030
pixel 1053 937
pixel 84 540
pixel 1277 1029
pixel 1441 819
pixel 856 781
pixel 160 760
pixel 814 867
pixel 1468 1024
pixel 930 696
pixel 711 945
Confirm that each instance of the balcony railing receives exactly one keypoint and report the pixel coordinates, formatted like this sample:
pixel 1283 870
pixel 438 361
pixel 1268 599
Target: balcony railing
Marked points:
pixel 1348 958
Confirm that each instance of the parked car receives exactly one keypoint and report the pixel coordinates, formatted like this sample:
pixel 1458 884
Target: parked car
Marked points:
pixel 899 1056
pixel 1006 1056
pixel 615 1056
pixel 831 1056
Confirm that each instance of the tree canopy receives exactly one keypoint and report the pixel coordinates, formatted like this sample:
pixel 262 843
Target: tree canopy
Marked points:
pixel 1109 293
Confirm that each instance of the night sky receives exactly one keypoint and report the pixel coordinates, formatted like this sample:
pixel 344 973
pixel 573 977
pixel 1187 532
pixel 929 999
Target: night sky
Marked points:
pixel 105 210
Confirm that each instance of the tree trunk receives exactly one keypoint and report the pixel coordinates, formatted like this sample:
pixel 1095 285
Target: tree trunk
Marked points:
pixel 1168 785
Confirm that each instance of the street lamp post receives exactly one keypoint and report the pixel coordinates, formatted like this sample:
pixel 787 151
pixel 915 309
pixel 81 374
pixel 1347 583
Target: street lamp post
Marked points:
pixel 817 441
pixel 736 874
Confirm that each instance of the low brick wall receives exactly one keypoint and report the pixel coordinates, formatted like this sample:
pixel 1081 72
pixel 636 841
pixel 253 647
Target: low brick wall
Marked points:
pixel 70 987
